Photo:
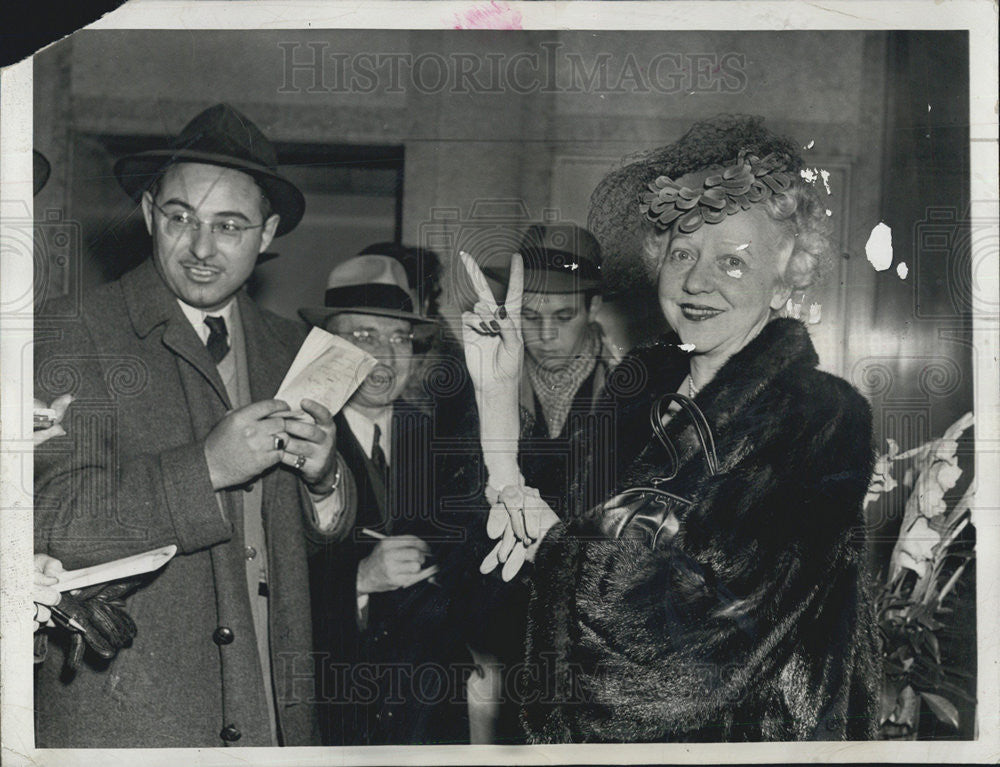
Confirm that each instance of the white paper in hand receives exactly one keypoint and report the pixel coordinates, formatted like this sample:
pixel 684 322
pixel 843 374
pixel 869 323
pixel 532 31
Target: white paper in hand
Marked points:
pixel 327 369
pixel 137 564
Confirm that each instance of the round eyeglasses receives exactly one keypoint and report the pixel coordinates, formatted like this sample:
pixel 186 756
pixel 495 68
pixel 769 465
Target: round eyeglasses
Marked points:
pixel 178 223
pixel 372 339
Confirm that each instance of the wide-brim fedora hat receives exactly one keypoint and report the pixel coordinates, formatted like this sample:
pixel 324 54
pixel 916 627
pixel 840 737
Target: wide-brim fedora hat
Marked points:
pixel 369 284
pixel 219 136
pixel 558 258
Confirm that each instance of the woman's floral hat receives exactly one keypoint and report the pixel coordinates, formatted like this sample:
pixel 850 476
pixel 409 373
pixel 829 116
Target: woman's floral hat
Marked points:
pixel 708 195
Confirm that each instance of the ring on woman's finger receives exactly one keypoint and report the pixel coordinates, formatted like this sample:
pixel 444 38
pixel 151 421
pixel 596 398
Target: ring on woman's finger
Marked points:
pixel 279 442
pixel 300 461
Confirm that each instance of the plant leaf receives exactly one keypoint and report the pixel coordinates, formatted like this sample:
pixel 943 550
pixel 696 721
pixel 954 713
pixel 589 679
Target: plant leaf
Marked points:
pixel 890 696
pixel 932 642
pixel 943 708
pixel 929 622
pixel 892 669
pixel 907 708
pixel 954 689
pixel 958 672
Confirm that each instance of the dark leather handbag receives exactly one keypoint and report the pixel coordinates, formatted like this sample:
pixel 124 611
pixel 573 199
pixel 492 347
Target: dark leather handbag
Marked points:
pixel 653 513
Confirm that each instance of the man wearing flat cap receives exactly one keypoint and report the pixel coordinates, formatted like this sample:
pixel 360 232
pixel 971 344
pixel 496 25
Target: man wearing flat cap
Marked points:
pixel 565 367
pixel 566 360
pixel 383 597
pixel 176 439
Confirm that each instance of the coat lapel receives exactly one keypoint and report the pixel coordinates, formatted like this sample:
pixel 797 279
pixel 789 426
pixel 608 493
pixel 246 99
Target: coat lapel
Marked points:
pixel 364 473
pixel 739 385
pixel 268 355
pixel 150 304
pixel 746 375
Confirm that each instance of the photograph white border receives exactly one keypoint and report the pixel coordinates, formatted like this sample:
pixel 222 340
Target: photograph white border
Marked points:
pixel 979 17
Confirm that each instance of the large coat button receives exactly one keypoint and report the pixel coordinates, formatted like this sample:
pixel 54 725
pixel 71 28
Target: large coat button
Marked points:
pixel 230 733
pixel 223 635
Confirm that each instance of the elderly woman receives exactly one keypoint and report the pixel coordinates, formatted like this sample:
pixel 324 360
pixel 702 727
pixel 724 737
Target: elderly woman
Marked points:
pixel 722 596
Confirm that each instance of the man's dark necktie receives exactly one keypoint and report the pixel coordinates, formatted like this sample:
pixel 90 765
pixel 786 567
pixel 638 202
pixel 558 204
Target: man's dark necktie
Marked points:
pixel 378 455
pixel 218 338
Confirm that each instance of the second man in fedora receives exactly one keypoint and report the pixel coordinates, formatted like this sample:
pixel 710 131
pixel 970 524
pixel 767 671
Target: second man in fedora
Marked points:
pixel 382 600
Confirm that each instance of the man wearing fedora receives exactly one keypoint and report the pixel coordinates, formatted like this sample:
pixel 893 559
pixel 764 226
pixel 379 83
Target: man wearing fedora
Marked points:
pixel 383 598
pixel 176 439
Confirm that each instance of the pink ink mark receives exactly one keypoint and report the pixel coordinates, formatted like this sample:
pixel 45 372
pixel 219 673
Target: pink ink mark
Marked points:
pixel 492 15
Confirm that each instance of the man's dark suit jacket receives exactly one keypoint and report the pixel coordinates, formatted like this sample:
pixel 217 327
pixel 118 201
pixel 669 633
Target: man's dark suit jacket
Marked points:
pixel 400 679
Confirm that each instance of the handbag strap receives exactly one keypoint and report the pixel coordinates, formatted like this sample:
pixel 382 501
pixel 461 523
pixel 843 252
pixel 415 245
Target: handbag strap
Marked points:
pixel 702 429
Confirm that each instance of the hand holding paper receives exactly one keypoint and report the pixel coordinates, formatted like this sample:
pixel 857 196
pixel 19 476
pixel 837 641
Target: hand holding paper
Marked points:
pixel 325 373
pixel 327 369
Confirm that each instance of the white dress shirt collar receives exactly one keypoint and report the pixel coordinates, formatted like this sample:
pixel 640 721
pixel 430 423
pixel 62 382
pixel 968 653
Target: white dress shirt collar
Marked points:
pixel 364 429
pixel 197 317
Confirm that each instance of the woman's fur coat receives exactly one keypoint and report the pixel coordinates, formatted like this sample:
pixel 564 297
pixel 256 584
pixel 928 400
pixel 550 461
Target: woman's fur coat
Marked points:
pixel 754 622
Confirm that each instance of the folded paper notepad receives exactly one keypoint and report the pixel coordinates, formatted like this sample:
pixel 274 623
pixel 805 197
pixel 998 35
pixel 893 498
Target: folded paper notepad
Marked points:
pixel 137 564
pixel 327 369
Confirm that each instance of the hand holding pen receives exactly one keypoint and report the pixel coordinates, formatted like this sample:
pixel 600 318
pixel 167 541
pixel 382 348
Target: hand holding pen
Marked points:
pixel 396 562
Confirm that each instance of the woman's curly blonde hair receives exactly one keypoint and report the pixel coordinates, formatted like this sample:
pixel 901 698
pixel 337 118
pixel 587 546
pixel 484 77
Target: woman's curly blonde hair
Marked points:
pixel 632 244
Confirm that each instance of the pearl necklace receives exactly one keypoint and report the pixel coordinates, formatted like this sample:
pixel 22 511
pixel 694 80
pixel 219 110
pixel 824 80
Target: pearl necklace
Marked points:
pixel 692 389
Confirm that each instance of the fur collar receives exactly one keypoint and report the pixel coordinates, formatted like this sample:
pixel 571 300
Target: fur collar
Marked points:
pixel 741 387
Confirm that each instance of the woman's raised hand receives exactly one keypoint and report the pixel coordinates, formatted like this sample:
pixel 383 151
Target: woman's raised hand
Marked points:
pixel 491 334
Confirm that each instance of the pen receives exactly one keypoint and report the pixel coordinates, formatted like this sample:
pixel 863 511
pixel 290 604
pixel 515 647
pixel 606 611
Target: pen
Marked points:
pixel 381 537
pixel 65 618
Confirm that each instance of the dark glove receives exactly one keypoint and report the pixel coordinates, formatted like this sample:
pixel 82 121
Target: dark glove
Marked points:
pixel 100 610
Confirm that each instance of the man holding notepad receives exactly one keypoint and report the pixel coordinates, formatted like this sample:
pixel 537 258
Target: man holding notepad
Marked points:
pixel 175 438
pixel 394 657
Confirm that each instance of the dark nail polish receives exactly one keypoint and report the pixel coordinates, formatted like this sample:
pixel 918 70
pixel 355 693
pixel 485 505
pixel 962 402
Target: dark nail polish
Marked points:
pixel 495 325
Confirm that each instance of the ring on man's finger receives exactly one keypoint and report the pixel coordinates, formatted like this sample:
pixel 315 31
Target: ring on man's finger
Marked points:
pixel 300 461
pixel 279 442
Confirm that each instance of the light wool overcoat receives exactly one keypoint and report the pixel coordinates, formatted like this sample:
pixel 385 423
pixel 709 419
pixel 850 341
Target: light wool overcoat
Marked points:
pixel 131 476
